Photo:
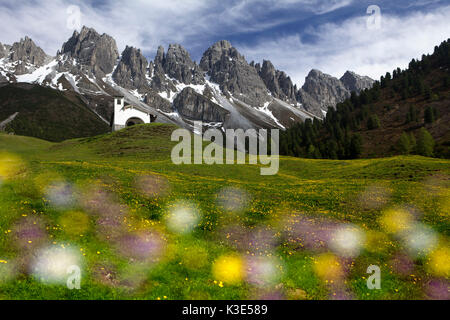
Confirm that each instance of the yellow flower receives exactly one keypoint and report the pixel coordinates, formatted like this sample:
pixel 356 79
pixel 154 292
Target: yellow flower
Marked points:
pixel 440 262
pixel 229 268
pixel 396 220
pixel 328 267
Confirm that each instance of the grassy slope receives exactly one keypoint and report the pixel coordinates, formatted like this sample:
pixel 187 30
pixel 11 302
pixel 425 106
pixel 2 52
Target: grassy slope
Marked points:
pixel 312 187
pixel 48 114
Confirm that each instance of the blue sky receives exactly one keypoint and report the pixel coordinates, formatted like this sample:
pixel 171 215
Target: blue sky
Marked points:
pixel 296 35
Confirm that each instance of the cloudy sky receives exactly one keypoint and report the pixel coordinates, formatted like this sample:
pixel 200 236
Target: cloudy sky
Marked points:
pixel 296 35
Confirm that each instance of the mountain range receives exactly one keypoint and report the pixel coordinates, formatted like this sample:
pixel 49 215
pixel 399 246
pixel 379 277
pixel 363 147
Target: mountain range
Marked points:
pixel 222 90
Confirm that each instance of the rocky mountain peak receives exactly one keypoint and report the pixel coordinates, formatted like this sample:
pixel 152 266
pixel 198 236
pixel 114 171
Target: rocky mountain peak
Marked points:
pixel 131 73
pixel 179 65
pixel 28 52
pixel 268 67
pixel 178 53
pixel 159 82
pixel 221 46
pixel 89 48
pixel 160 56
pixel 355 82
pixel 218 51
pixel 322 91
pixel 176 64
pixel 278 83
pixel 317 74
pixel 227 67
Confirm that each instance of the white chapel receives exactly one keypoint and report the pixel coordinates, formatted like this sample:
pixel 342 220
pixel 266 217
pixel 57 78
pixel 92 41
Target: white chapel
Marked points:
pixel 127 115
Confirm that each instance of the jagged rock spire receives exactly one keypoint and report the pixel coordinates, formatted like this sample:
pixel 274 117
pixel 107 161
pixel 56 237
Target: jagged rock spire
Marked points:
pixel 98 52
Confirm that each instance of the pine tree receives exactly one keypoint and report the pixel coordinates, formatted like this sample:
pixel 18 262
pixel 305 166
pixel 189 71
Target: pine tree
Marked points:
pixel 412 115
pixel 404 144
pixel 355 146
pixel 429 115
pixel 425 144
pixel 373 122
pixel 412 142
pixel 311 152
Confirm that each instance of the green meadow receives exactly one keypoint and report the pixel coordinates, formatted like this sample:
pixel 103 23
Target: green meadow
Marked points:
pixel 117 207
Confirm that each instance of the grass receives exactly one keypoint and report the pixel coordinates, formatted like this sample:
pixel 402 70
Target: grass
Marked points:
pixel 115 176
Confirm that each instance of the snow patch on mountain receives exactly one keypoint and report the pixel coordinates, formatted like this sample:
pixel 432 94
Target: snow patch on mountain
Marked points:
pixel 265 109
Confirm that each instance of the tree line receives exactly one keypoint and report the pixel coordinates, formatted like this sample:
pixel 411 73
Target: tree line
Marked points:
pixel 338 135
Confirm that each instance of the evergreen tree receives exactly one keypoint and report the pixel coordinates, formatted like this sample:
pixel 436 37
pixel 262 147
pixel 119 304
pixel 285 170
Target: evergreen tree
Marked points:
pixel 404 144
pixel 311 152
pixel 420 87
pixel 373 122
pixel 388 76
pixel 412 142
pixel 430 115
pixel 412 115
pixel 355 147
pixel 425 144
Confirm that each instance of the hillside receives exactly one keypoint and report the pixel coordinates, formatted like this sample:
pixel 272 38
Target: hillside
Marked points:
pixel 47 114
pixel 109 202
pixel 371 124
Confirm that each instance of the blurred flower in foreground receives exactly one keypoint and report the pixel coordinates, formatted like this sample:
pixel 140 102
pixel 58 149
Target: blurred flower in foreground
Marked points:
pixel 311 233
pixel 439 262
pixel 402 264
pixel 255 241
pixel 420 239
pixel 328 267
pixel 396 220
pixel 229 269
pixel 438 289
pixel 60 194
pixel 29 232
pixel 110 228
pixel 97 201
pixel 153 186
pixel 233 199
pixel 10 166
pixel 347 241
pixel 141 246
pixel 262 271
pixel 182 217
pixel 52 265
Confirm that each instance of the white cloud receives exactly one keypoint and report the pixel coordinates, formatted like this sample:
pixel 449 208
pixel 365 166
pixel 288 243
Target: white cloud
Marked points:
pixel 351 46
pixel 147 24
